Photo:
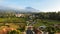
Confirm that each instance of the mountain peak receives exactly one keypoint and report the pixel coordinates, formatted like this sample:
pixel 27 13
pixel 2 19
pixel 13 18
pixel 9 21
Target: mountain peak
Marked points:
pixel 31 9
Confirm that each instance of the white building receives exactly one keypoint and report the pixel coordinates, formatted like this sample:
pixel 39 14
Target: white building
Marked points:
pixel 19 15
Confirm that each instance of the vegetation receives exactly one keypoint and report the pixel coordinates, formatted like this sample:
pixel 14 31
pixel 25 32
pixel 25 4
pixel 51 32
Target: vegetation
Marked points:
pixel 48 19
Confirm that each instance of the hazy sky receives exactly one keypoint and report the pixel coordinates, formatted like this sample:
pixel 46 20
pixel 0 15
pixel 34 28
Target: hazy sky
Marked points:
pixel 43 5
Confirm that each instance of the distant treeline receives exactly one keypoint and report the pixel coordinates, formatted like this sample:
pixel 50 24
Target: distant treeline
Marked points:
pixel 48 15
pixel 41 15
pixel 7 14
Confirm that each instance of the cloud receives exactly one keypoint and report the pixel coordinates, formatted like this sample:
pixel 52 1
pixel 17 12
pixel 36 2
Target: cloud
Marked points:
pixel 15 7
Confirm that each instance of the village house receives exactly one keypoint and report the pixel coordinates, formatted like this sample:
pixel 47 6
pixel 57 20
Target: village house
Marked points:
pixel 19 15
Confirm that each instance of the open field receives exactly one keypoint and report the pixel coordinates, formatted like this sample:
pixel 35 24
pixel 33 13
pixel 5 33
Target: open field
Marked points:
pixel 44 22
pixel 14 19
pixel 39 22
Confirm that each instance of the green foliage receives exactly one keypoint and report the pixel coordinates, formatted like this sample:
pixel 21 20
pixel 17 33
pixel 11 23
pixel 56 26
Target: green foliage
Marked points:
pixel 21 28
pixel 46 22
pixel 12 20
pixel 14 32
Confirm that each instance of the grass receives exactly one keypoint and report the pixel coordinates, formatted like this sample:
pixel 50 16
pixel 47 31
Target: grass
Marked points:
pixel 14 19
pixel 38 23
pixel 44 22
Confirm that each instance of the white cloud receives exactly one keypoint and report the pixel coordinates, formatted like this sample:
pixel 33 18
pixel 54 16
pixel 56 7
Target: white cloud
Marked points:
pixel 15 7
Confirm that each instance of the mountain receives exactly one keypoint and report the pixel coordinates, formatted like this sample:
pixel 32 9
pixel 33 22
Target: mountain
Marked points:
pixel 25 10
pixel 31 9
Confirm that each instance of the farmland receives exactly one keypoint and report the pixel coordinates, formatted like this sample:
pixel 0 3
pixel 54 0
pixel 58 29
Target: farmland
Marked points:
pixel 19 22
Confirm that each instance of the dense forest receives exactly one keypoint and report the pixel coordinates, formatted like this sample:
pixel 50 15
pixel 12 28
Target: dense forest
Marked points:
pixel 48 15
